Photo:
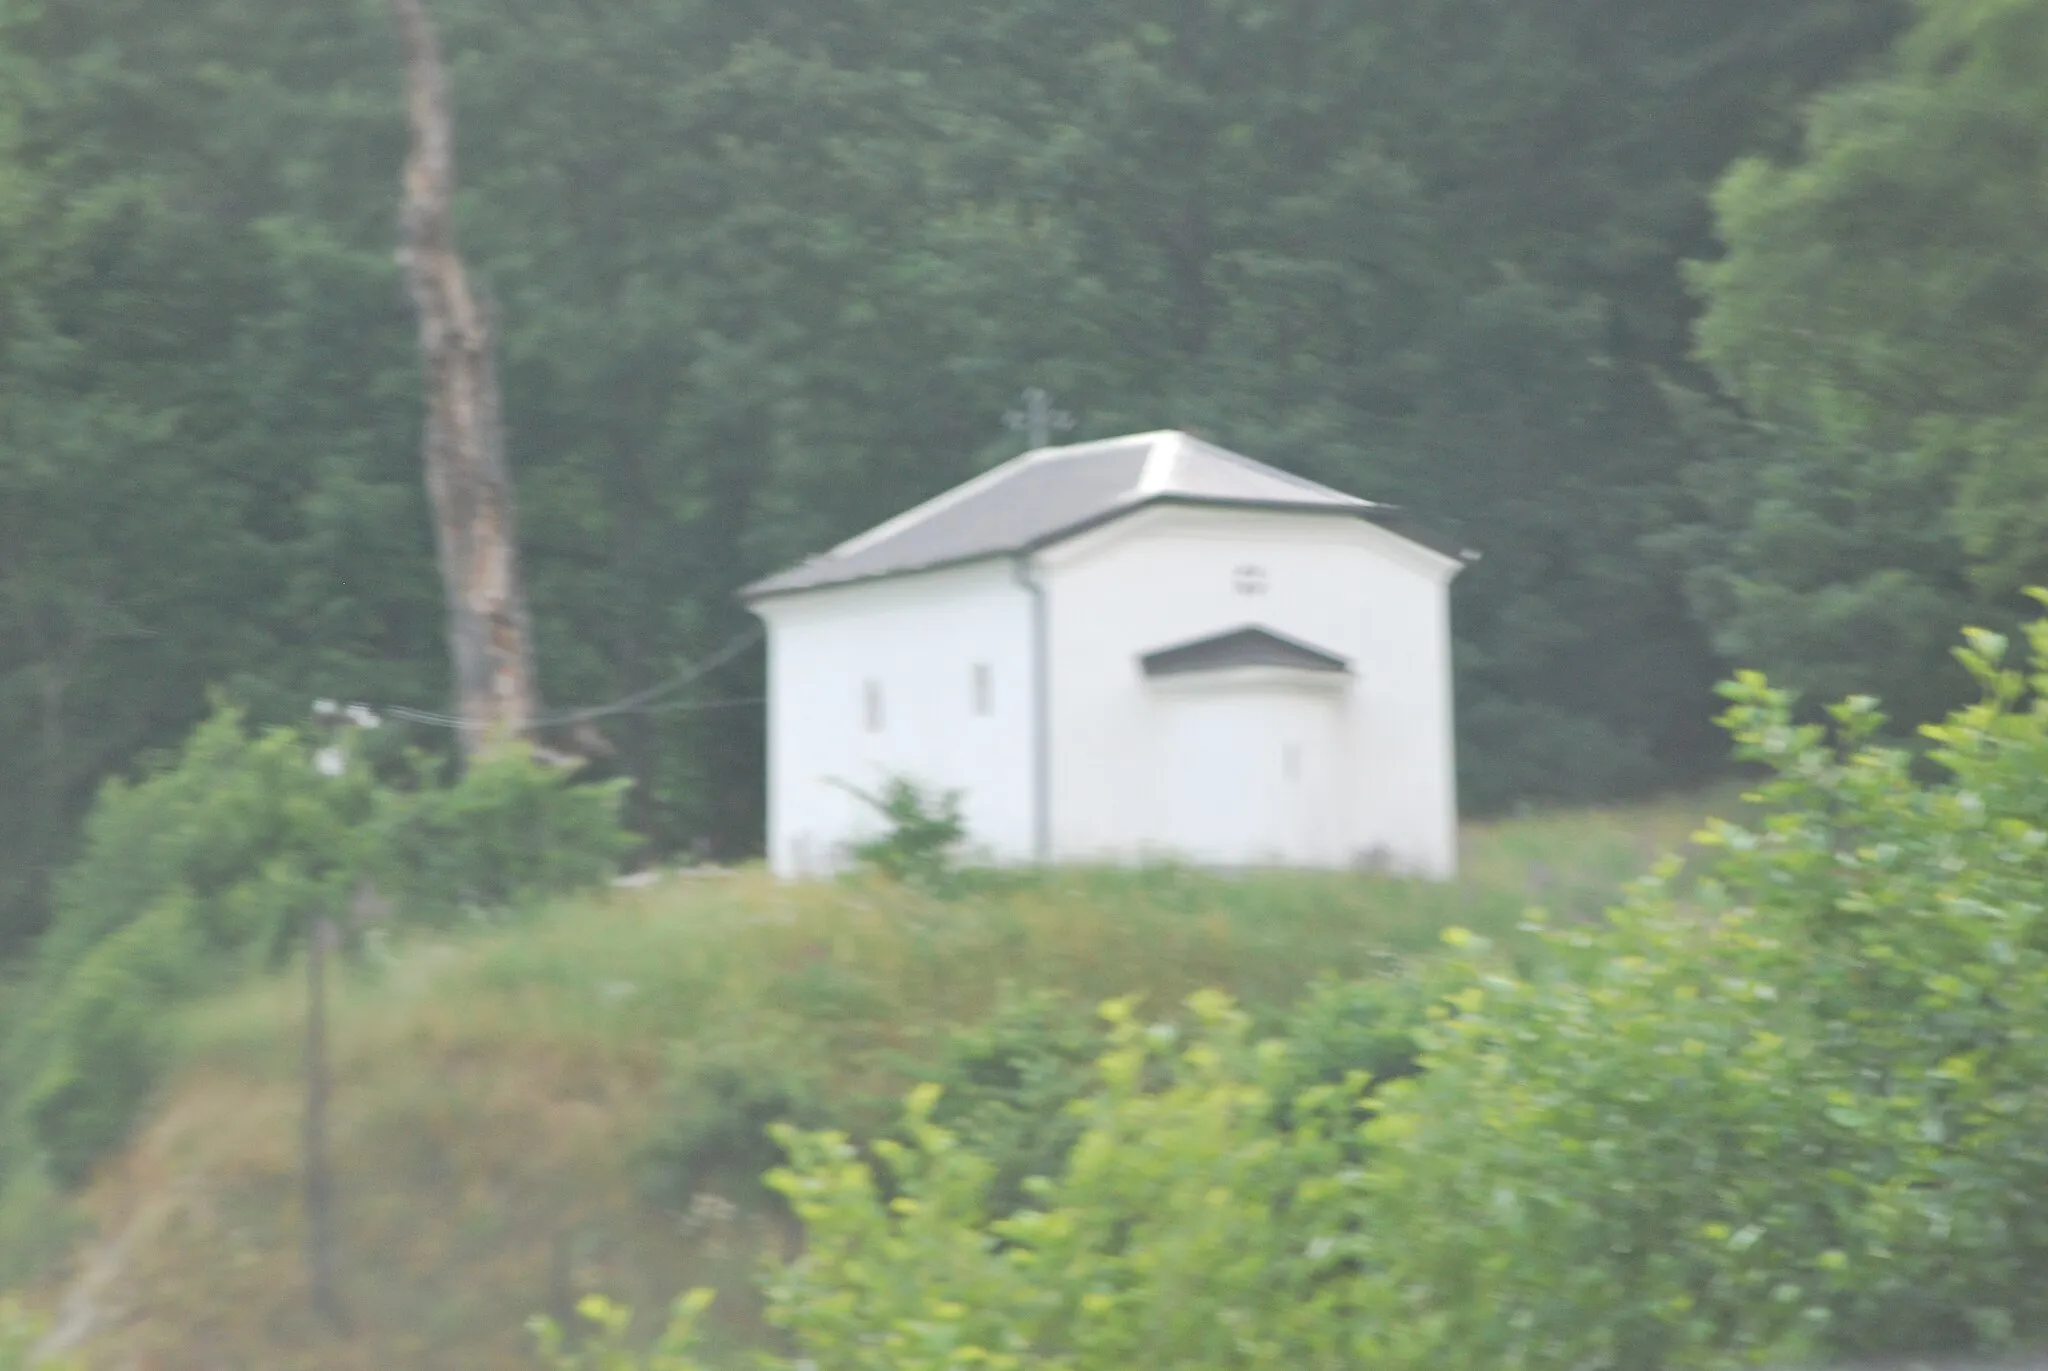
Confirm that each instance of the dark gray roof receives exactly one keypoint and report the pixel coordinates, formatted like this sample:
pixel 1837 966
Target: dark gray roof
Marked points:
pixel 1052 493
pixel 1247 646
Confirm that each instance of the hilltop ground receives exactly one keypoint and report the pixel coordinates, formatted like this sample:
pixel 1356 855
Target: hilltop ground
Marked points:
pixel 524 1114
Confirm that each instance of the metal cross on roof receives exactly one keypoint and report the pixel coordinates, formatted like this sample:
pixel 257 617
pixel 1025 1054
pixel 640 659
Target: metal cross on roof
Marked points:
pixel 1038 420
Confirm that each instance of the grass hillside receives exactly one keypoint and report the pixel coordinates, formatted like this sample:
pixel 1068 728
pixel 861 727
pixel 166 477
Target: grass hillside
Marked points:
pixel 526 1114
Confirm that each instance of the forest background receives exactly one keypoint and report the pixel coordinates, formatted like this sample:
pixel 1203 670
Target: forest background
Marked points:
pixel 1717 328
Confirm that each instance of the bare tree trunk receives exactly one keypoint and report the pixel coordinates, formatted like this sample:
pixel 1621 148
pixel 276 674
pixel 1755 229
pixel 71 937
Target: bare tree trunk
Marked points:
pixel 475 529
pixel 322 1275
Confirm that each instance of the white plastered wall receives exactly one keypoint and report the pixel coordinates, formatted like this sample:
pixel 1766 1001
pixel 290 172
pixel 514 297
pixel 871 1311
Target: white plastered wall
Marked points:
pixel 917 641
pixel 1175 573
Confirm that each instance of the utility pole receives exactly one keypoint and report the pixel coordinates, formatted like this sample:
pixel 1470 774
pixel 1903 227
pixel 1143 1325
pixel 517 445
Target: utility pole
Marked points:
pixel 340 724
pixel 323 1276
pixel 1038 420
pixel 490 639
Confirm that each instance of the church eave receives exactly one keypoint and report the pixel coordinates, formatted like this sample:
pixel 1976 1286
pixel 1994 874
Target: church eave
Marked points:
pixel 1390 517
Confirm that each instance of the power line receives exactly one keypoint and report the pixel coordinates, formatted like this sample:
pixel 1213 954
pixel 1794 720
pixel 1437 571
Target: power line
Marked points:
pixel 641 699
pixel 639 702
pixel 697 706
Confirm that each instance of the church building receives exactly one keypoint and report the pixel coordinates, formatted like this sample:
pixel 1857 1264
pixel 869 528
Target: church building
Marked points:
pixel 1135 649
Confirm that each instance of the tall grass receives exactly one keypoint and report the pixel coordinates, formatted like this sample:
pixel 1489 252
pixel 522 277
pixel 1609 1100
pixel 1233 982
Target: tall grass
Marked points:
pixel 626 973
pixel 496 1087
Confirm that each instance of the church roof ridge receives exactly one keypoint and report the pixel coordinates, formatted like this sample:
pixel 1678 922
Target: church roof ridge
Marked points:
pixel 1050 493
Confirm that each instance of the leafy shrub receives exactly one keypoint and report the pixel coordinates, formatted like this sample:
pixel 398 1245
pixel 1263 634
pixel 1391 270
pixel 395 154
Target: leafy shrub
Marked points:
pixel 1805 1114
pixel 712 1134
pixel 1796 1112
pixel 605 1342
pixel 106 1040
pixel 238 828
pixel 924 834
pixel 212 860
pixel 1008 1086
pixel 218 859
pixel 1345 1030
pixel 1184 1232
pixel 507 832
pixel 1013 1087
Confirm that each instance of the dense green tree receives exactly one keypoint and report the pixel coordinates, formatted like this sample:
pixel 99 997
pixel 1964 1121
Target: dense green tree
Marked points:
pixel 1565 149
pixel 1878 312
pixel 176 513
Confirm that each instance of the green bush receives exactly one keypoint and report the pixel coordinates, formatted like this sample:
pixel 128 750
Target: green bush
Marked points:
pixel 711 1135
pixel 922 842
pixel 1796 1111
pixel 1013 1088
pixel 1008 1086
pixel 1805 1113
pixel 602 1340
pixel 240 828
pixel 1140 1210
pixel 217 861
pixel 1185 1231
pixel 209 863
pixel 1178 1229
pixel 1342 1028
pixel 506 833
pixel 105 1039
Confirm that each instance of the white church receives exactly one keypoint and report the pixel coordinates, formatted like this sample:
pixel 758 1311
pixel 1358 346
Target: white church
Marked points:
pixel 1143 648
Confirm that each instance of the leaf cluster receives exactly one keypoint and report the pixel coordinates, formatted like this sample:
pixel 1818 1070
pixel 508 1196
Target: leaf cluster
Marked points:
pixel 922 834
